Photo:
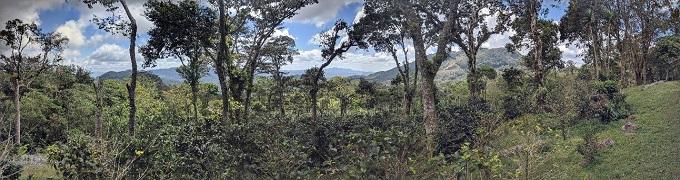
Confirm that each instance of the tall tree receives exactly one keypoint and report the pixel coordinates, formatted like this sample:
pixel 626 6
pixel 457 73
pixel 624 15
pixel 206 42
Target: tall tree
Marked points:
pixel 23 65
pixel 333 47
pixel 537 35
pixel 427 23
pixel 182 30
pixel 667 55
pixel 99 91
pixel 390 36
pixel 472 28
pixel 116 24
pixel 275 55
pixel 269 17
pixel 527 27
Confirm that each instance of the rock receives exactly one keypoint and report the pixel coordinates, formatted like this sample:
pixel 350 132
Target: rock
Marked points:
pixel 605 143
pixel 652 85
pixel 511 151
pixel 628 127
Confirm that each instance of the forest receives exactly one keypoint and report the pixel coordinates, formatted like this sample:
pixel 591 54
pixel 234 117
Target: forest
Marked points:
pixel 461 111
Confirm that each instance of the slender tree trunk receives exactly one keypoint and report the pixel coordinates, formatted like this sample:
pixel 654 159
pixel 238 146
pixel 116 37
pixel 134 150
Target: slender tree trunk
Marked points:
pixel 282 111
pixel 408 99
pixel 429 110
pixel 538 52
pixel 538 49
pixel 194 99
pixel 593 51
pixel 313 94
pixel 99 90
pixel 17 115
pixel 428 73
pixel 343 107
pixel 472 77
pixel 219 63
pixel 133 78
pixel 249 90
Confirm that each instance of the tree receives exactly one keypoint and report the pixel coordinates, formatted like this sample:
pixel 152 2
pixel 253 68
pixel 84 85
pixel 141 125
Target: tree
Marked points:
pixel 390 35
pixel 424 28
pixel 485 72
pixel 667 55
pixel 582 23
pixel 275 55
pixel 537 35
pixel 333 47
pixel 270 17
pixel 229 26
pixel 24 66
pixel 529 34
pixel 342 89
pixel 115 24
pixel 99 91
pixel 471 30
pixel 183 30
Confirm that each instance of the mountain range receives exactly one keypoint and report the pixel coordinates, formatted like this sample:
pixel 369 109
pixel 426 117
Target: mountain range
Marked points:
pixel 453 68
pixel 170 75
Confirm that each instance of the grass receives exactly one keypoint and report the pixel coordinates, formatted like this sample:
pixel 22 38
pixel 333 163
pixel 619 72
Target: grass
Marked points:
pixel 651 152
pixel 39 172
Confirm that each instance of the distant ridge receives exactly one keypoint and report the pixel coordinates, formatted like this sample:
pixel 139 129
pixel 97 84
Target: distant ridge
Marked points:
pixel 170 75
pixel 455 67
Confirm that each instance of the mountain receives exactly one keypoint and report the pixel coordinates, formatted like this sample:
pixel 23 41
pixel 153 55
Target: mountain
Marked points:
pixel 332 72
pixel 455 67
pixel 170 75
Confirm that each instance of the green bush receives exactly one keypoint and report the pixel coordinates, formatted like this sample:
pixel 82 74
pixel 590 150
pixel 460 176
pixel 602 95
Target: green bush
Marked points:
pixel 588 148
pixel 608 103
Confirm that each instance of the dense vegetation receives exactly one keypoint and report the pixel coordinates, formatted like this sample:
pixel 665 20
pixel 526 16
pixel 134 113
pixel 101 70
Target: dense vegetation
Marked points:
pixel 530 116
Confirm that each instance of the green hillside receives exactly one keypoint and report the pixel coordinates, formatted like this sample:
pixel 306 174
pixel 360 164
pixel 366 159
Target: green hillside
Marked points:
pixel 650 152
pixel 455 68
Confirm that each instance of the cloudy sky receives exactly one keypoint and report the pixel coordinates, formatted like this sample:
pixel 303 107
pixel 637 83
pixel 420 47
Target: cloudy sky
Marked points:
pixel 99 51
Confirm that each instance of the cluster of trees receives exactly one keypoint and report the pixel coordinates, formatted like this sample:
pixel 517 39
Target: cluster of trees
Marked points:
pixel 197 128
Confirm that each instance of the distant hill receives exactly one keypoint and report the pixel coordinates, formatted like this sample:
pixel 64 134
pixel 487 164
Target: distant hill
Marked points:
pixel 332 72
pixel 455 67
pixel 170 75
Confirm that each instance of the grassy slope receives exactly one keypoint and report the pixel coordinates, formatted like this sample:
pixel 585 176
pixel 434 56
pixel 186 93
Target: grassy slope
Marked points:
pixel 653 151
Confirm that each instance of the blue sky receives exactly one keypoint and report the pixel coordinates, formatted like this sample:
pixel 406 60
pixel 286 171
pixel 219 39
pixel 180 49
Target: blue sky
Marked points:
pixel 99 51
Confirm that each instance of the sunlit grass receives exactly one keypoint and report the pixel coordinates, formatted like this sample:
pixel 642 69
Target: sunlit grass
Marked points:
pixel 650 152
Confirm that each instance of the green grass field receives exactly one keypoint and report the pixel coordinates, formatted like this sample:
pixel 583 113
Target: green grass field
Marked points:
pixel 650 152
pixel 653 150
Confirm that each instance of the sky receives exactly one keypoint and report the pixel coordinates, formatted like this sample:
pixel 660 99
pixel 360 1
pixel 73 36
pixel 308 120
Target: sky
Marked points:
pixel 99 51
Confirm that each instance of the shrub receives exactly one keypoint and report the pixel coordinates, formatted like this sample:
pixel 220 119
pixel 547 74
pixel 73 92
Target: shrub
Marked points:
pixel 608 103
pixel 458 124
pixel 588 148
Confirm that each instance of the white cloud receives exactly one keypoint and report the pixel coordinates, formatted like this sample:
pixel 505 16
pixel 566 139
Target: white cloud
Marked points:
pixel 110 53
pixel 319 14
pixel 357 60
pixel 71 53
pixel 571 52
pixel 283 32
pixel 316 39
pixel 96 40
pixel 27 11
pixel 360 14
pixel 136 8
pixel 73 30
